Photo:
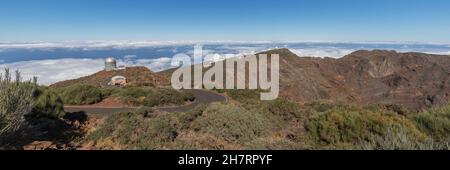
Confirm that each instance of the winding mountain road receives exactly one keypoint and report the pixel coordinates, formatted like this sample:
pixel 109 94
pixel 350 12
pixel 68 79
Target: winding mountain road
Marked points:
pixel 201 97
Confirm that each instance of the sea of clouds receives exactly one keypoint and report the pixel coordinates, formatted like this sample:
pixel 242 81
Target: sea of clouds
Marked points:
pixel 56 61
pixel 54 70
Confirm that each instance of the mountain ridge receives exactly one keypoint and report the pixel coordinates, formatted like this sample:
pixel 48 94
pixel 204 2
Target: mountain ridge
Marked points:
pixel 414 80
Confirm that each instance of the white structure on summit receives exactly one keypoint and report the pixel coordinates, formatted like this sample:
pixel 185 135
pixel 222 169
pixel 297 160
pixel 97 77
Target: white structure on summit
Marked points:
pixel 110 64
pixel 120 81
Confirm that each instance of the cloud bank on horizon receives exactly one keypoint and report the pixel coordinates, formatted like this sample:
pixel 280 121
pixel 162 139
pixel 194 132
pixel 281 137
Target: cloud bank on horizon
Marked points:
pixel 76 59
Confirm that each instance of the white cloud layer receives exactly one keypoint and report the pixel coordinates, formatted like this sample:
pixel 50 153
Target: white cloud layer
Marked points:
pixel 55 70
pixel 341 52
pixel 88 45
pixel 50 71
pixel 155 65
pixel 92 45
pixel 322 52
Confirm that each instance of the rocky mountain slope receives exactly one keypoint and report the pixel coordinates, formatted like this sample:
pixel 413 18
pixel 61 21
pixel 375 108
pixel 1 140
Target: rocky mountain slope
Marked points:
pixel 414 80
pixel 136 76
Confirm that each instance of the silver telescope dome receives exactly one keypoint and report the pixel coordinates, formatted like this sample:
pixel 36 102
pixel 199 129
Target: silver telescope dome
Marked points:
pixel 110 64
pixel 110 60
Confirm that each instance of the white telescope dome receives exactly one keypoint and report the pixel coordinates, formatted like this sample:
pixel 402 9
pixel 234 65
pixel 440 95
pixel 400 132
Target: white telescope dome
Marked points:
pixel 110 64
pixel 110 60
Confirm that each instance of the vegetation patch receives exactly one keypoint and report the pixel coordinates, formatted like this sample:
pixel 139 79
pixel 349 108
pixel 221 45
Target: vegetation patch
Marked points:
pixel 80 94
pixel 150 97
pixel 231 123
pixel 134 131
pixel 16 100
pixel 285 125
pixel 346 126
pixel 47 105
pixel 244 123
pixel 436 123
pixel 273 143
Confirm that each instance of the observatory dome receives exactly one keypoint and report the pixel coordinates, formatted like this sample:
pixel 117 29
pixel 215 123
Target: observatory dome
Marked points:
pixel 110 64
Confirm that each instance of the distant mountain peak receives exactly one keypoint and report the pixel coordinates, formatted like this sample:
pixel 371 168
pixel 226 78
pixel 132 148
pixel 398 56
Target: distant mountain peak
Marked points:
pixel 283 51
pixel 367 53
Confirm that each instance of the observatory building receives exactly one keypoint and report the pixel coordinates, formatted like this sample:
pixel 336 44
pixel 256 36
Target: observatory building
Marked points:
pixel 120 81
pixel 110 64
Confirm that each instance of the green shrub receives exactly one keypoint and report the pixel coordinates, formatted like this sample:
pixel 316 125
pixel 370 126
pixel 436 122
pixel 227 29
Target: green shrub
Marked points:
pixel 16 100
pixel 436 123
pixel 286 109
pixel 400 139
pixel 48 105
pixel 320 106
pixel 132 95
pixel 135 92
pixel 80 94
pixel 168 96
pixel 270 143
pixel 106 92
pixel 231 123
pixel 134 131
pixel 186 118
pixel 278 124
pixel 199 141
pixel 345 126
pixel 245 96
pixel 137 96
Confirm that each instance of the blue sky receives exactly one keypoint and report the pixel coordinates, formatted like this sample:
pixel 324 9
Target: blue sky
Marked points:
pixel 277 20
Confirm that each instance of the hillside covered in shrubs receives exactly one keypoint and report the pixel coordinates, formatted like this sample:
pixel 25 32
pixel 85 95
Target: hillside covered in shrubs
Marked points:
pixel 245 123
pixel 82 94
pixel 32 114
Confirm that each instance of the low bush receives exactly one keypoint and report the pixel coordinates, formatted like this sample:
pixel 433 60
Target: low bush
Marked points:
pixel 186 118
pixel 400 139
pixel 286 109
pixel 320 106
pixel 47 105
pixel 168 97
pixel 436 123
pixel 246 97
pixel 346 126
pixel 231 123
pixel 271 143
pixel 137 96
pixel 133 96
pixel 134 131
pixel 201 141
pixel 80 94
pixel 278 124
pixel 16 100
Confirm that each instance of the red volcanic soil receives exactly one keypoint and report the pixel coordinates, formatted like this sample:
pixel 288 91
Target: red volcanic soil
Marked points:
pixel 136 76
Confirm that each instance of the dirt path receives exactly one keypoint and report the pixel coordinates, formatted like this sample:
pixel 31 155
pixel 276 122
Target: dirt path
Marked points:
pixel 201 97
